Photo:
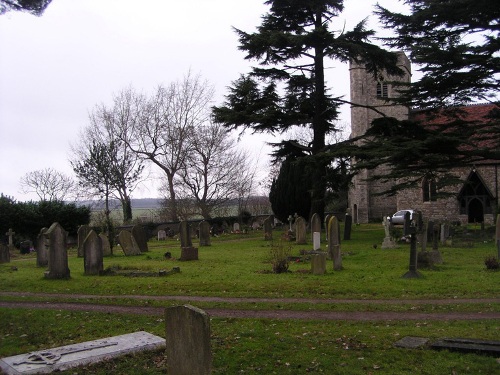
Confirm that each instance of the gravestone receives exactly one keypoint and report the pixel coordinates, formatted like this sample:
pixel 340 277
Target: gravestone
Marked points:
pixel 185 234
pixel 188 341
pixel 42 254
pixel 347 226
pixel 236 227
pixel 83 231
pixel 204 229
pixel 300 231
pixel 411 228
pixel 334 243
pixel 315 224
pixel 63 358
pixel 92 254
pixel 58 256
pixel 10 233
pixel 316 241
pixel 497 235
pixel 128 244
pixel 268 229
pixel 388 242
pixel 327 220
pixel 4 253
pixel 188 252
pixel 140 237
pixel 318 263
pixel 162 235
pixel 106 246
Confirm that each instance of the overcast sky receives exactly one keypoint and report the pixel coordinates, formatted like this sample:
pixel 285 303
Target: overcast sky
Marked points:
pixel 55 68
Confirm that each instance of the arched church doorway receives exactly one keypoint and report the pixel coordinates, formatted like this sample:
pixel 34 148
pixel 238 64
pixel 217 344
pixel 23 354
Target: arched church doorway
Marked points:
pixel 475 198
pixel 475 211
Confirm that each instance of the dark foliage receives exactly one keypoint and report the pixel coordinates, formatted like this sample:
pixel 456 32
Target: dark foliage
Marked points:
pixel 456 43
pixel 27 218
pixel 288 88
pixel 35 7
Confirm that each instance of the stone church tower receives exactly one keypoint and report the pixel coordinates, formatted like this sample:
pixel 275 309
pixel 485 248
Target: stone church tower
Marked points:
pixel 368 90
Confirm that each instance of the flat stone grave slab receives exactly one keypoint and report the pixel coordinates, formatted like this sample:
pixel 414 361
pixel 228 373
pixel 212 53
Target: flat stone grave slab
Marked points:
pixel 411 342
pixel 488 347
pixel 85 353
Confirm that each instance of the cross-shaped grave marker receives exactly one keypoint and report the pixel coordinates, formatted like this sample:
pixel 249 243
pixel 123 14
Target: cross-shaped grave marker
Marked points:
pixel 10 233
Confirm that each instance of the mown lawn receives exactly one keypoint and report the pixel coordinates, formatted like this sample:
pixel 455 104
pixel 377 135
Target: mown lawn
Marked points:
pixel 239 265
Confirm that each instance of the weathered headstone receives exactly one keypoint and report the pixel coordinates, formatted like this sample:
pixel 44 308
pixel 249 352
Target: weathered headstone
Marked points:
pixel 334 243
pixel 236 227
pixel 128 244
pixel 315 224
pixel 83 231
pixel 268 229
pixel 388 242
pixel 327 220
pixel 318 263
pixel 25 247
pixel 185 234
pixel 300 231
pixel 58 255
pixel 10 233
pixel 204 229
pixel 162 235
pixel 106 246
pixel 4 253
pixel 42 254
pixel 188 341
pixel 347 226
pixel 140 237
pixel 188 252
pixel 92 254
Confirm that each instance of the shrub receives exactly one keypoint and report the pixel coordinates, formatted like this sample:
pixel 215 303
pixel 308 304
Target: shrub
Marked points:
pixel 280 253
pixel 492 263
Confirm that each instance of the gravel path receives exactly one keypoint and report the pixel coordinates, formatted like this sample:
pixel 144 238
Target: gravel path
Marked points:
pixel 259 314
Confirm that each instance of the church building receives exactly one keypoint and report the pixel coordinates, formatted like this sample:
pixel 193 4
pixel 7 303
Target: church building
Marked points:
pixel 474 201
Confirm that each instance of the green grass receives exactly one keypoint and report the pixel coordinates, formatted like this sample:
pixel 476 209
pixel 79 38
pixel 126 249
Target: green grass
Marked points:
pixel 239 266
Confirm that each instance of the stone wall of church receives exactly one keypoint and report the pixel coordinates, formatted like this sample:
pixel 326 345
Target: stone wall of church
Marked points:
pixel 364 202
pixel 449 209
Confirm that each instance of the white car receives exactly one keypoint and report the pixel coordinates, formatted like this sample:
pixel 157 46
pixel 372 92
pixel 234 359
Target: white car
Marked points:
pixel 399 217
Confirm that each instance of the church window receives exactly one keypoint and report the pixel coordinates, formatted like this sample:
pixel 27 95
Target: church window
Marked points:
pixel 382 90
pixel 429 191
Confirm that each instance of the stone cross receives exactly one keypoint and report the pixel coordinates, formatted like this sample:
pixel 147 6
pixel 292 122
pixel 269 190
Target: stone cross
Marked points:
pixel 411 228
pixel 10 233
pixel 188 341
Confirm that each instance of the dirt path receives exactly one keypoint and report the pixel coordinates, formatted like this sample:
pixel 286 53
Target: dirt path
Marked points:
pixel 258 314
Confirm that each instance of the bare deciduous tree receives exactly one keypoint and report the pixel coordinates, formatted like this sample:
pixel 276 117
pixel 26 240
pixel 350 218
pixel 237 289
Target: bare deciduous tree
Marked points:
pixel 102 159
pixel 215 171
pixel 48 184
pixel 158 128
